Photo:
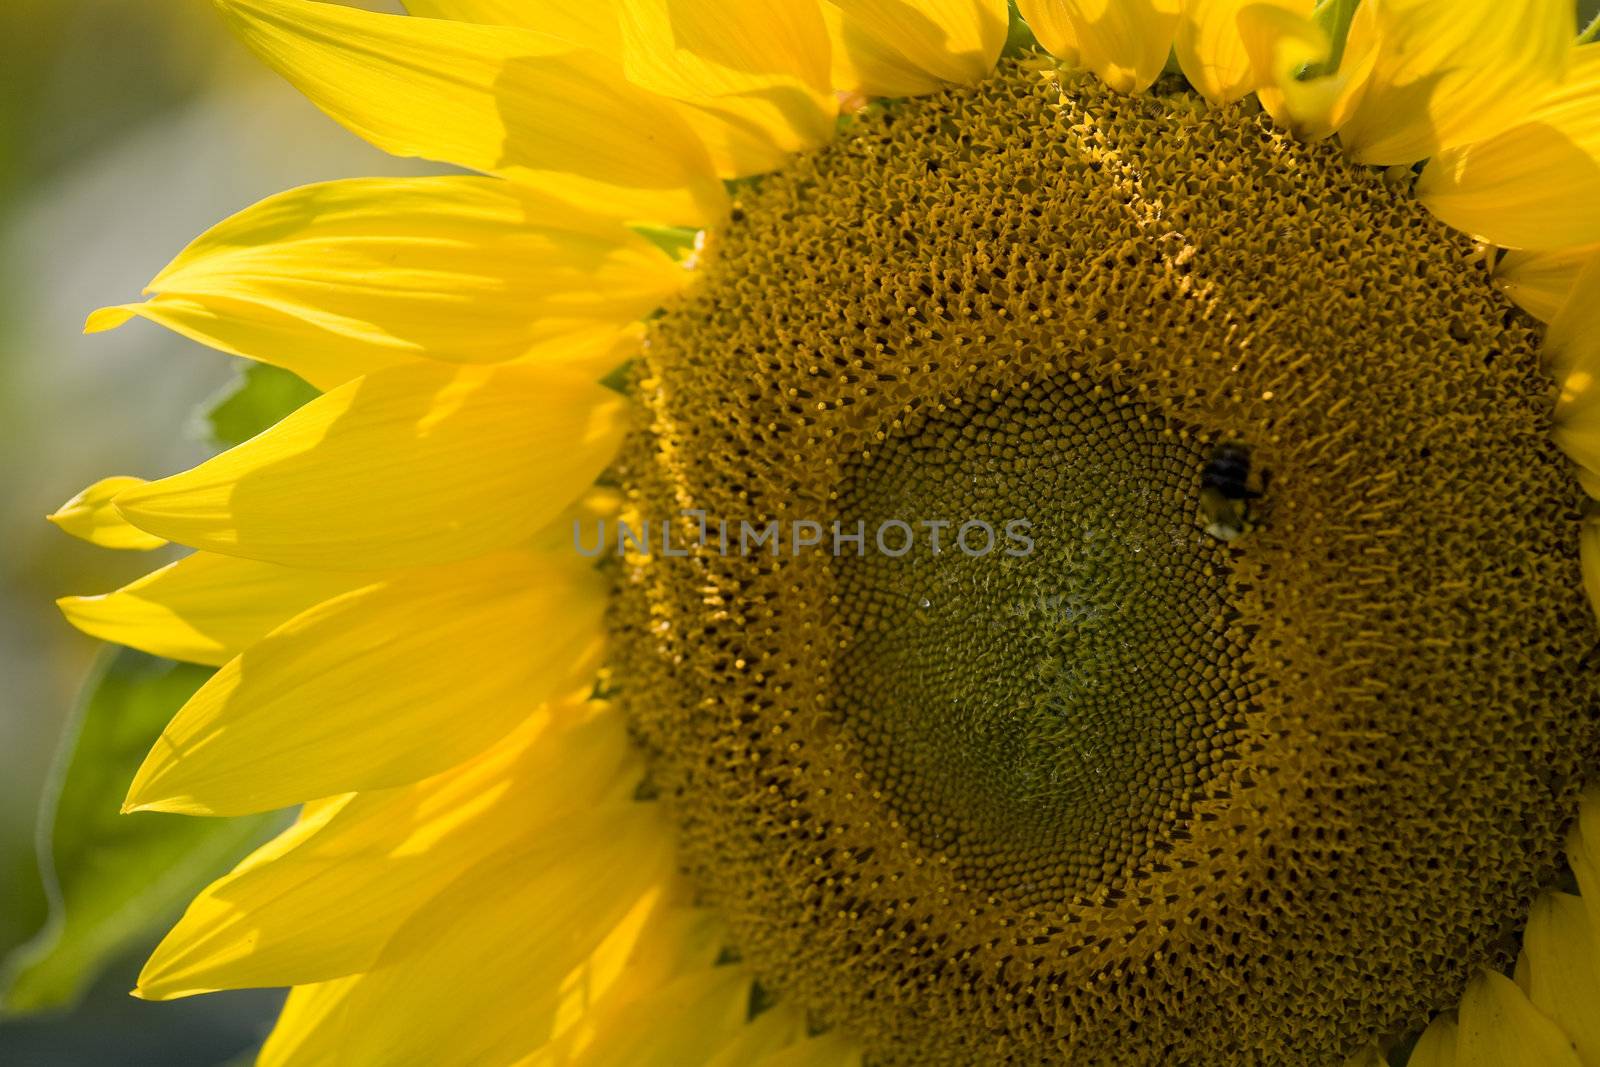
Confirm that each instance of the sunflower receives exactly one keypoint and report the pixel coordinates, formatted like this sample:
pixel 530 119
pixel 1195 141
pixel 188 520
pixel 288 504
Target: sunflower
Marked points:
pixel 1241 353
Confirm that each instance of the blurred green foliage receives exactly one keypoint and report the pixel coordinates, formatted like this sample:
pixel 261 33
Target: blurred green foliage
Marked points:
pixel 111 878
pixel 75 77
pixel 259 397
pixel 43 43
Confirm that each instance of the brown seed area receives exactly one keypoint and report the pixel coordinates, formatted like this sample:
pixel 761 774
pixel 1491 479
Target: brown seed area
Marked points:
pixel 1136 796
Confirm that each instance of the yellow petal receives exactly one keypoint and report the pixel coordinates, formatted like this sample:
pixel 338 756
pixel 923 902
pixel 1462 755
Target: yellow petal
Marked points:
pixel 640 956
pixel 1520 974
pixel 753 75
pixel 325 900
pixel 334 280
pixel 1437 1046
pixel 379 687
pixel 512 930
pixel 1540 282
pixel 587 23
pixel 1533 185
pixel 205 608
pixel 1453 71
pixel 1589 557
pixel 1563 980
pixel 262 334
pixel 1282 41
pixel 894 48
pixel 654 940
pixel 1499 1028
pixel 601 347
pixel 295 1040
pixel 91 516
pixel 662 939
pixel 312 822
pixel 686 1022
pixel 1211 47
pixel 772 1032
pixel 751 79
pixel 417 464
pixel 864 65
pixel 833 1049
pixel 1125 42
pixel 493 98
pixel 1052 28
pixel 1572 341
pixel 1583 839
pixel 1572 357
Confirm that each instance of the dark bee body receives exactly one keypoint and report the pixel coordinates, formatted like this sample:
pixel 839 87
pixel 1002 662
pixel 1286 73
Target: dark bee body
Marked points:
pixel 1228 472
pixel 1225 492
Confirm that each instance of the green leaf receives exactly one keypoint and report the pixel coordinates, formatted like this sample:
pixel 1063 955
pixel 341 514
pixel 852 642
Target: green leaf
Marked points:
pixel 112 879
pixel 258 398
pixel 1019 38
pixel 620 377
pixel 675 241
pixel 1335 18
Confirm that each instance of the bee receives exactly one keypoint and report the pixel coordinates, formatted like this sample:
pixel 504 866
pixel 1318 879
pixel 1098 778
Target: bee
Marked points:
pixel 1225 492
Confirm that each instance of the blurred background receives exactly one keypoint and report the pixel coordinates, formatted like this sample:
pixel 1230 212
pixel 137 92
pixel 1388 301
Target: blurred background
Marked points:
pixel 126 128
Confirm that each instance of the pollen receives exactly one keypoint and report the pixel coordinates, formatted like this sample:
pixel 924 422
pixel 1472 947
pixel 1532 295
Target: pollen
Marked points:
pixel 1138 795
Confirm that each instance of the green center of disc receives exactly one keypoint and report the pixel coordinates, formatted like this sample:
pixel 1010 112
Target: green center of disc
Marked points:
pixel 1036 711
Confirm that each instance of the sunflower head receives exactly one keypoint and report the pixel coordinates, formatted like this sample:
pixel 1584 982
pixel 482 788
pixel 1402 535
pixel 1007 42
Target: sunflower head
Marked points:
pixel 1043 800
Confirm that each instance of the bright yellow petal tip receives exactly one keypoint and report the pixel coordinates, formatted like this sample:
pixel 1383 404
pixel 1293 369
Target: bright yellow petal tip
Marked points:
pixel 107 318
pixel 204 608
pixel 93 516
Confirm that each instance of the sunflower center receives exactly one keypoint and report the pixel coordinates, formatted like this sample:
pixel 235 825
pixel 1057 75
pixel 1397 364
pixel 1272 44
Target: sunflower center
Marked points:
pixel 1116 789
